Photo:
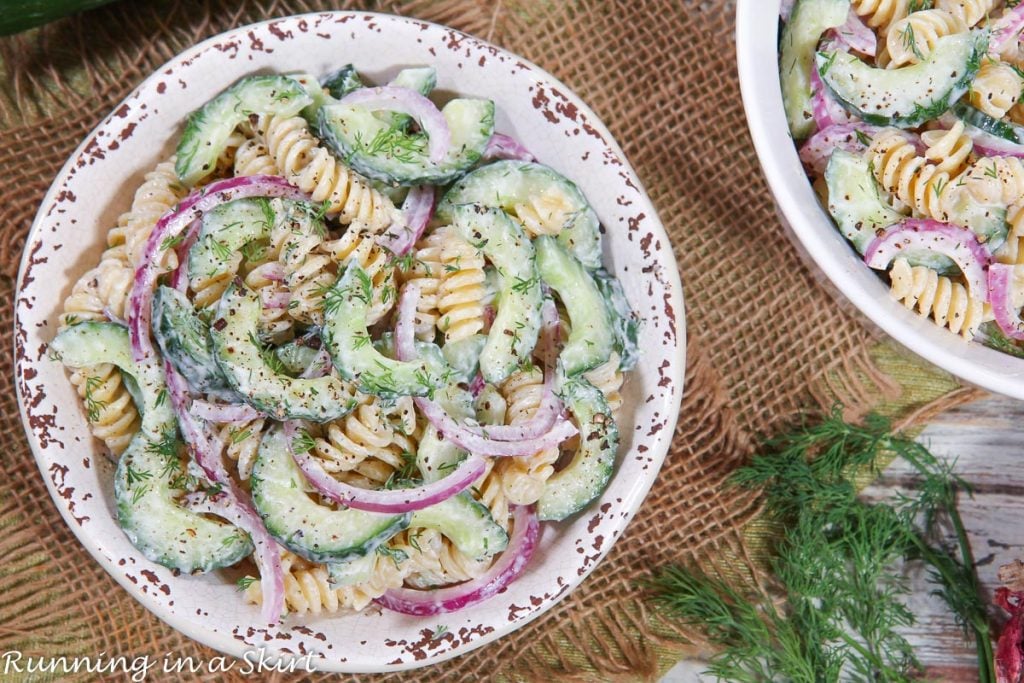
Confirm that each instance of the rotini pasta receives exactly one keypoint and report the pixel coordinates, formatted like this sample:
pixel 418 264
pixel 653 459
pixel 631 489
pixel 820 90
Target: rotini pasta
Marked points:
pixel 241 442
pixel 970 12
pixel 365 443
pixel 996 180
pixel 913 181
pixel 461 292
pixel 996 88
pixel 608 378
pixel 936 296
pixel 357 243
pixel 912 39
pixel 523 479
pixel 881 14
pixel 253 158
pixel 426 271
pixel 949 150
pixel 108 405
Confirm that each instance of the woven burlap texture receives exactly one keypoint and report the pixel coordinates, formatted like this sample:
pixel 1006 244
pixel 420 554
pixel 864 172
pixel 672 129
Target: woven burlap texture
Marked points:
pixel 765 341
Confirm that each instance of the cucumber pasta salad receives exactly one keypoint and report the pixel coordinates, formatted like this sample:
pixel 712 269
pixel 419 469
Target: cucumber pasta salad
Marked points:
pixel 909 120
pixel 355 344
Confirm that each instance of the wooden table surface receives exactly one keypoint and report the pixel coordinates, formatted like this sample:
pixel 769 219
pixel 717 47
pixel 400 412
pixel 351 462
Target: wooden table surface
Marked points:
pixel 987 440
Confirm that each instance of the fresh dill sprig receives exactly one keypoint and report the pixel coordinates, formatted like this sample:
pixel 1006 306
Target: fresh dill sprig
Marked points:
pixel 838 564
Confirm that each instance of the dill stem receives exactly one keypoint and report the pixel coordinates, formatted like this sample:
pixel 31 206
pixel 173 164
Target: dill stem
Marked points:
pixel 981 630
pixel 881 669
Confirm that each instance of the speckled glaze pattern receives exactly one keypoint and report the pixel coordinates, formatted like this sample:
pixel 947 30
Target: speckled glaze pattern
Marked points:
pixel 96 185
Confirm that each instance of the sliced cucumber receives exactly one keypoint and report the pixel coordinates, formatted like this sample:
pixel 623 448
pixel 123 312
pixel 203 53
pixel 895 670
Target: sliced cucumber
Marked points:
pixel 591 336
pixel 355 357
pixel 571 489
pixel 144 483
pixel 625 323
pixel 1002 129
pixel 297 356
pixel 422 79
pixel 807 22
pixel 359 570
pixel 909 96
pixel 463 356
pixel 341 82
pixel 510 184
pixel 987 222
pixel 316 532
pixel 435 455
pixel 239 353
pixel 466 523
pixel 207 130
pixel 379 151
pixel 225 230
pixel 516 326
pixel 184 340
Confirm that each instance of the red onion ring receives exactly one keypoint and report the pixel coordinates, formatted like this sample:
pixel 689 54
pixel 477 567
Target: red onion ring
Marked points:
pixel 206 450
pixel 826 111
pixel 506 147
pixel 959 244
pixel 417 210
pixel 855 35
pixel 542 431
pixel 216 412
pixel 1000 294
pixel 320 366
pixel 816 152
pixel 389 501
pixel 411 103
pixel 171 225
pixel 476 387
pixel 521 546
pixel 1008 27
pixel 267 555
pixel 179 278
pixel 271 299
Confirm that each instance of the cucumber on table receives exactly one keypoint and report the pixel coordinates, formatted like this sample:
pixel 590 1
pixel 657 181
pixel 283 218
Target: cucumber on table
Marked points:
pixel 316 532
pixel 149 472
pixel 240 354
pixel 909 96
pixel 515 186
pixel 208 128
pixel 808 20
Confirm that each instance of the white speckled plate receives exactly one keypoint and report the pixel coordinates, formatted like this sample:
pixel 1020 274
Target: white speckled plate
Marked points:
pixel 97 184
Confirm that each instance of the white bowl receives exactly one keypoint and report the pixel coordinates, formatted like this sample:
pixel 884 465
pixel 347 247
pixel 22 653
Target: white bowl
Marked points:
pixel 97 184
pixel 757 55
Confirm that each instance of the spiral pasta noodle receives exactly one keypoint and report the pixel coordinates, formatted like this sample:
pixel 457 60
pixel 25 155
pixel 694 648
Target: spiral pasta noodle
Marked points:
pixel 313 169
pixel 970 12
pixel 523 478
pixel 881 14
pixel 426 271
pixel 113 417
pixel 937 296
pixel 949 150
pixel 461 291
pixel 100 293
pixel 1012 250
pixel 253 158
pixel 158 194
pixel 913 181
pixel 996 180
pixel 308 270
pixel 912 39
pixel 365 444
pixel 996 88
pixel 241 444
pixel 607 377
pixel 357 242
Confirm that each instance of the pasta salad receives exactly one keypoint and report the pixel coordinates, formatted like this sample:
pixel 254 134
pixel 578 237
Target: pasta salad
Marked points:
pixel 356 344
pixel 909 123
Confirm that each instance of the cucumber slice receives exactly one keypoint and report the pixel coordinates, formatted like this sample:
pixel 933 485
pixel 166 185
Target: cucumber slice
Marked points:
pixel 184 340
pixel 808 20
pixel 516 326
pixel 625 323
pixel 379 151
pixel 510 184
pixel 352 572
pixel 909 96
pixel 296 356
pixel 239 353
pixel 466 523
pixel 357 359
pixel 463 357
pixel 422 79
pixel 145 480
pixel 591 336
pixel 207 130
pixel 316 532
pixel 341 82
pixel 225 230
pixel 573 488
pixel 1002 129
pixel 435 455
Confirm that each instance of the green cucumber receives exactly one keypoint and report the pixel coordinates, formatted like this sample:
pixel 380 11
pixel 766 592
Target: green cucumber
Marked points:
pixel 379 151
pixel 978 119
pixel 225 230
pixel 184 341
pixel 352 572
pixel 341 82
pixel 807 22
pixel 516 325
pixel 625 322
pixel 466 523
pixel 509 184
pixel 347 340
pixel 463 357
pixel 145 485
pixel 581 481
pixel 591 335
pixel 297 356
pixel 909 96
pixel 313 531
pixel 435 455
pixel 240 354
pixel 208 129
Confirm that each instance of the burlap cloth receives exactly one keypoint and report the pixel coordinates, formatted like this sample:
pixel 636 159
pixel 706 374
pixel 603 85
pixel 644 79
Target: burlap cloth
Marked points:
pixel 765 341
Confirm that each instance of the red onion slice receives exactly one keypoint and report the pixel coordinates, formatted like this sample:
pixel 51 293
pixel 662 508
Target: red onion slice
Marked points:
pixel 507 147
pixel 959 244
pixel 417 210
pixel 855 35
pixel 267 555
pixel 320 366
pixel 1000 294
pixel 827 112
pixel 1008 27
pixel 179 278
pixel 410 102
pixel 171 225
pixel 206 450
pixel 543 431
pixel 274 299
pixel 216 412
pixel 816 152
pixel 521 546
pixel 389 501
